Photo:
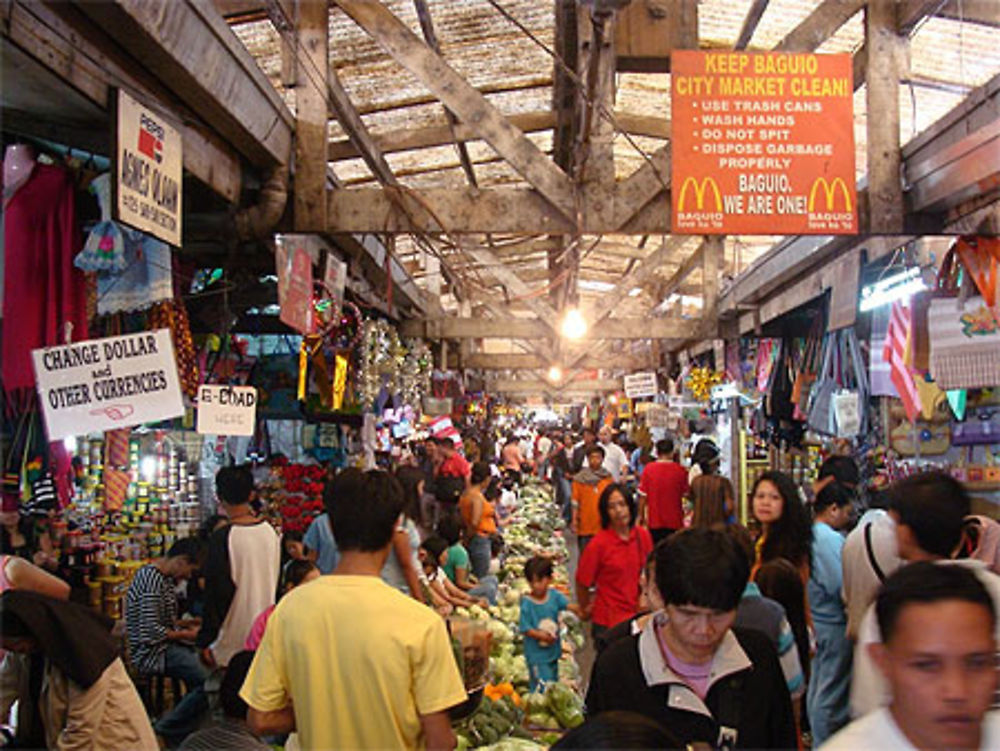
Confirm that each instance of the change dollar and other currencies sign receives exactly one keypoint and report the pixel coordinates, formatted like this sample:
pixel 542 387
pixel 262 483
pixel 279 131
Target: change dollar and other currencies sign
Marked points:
pixel 103 384
pixel 226 410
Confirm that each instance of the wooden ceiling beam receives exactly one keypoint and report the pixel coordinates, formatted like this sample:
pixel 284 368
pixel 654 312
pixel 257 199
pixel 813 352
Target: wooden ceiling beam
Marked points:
pixel 80 53
pixel 422 100
pixel 435 135
pixel 984 12
pixel 750 22
pixel 533 361
pixel 538 386
pixel 351 122
pixel 819 25
pixel 427 27
pixel 676 281
pixel 909 14
pixel 514 285
pixel 647 183
pixel 189 47
pixel 642 272
pixel 465 101
pixel 526 328
pixel 414 171
pixel 411 139
pixel 467 210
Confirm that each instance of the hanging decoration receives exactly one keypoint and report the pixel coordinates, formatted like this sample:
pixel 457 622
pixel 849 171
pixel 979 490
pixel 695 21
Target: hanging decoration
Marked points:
pixel 415 377
pixel 382 356
pixel 700 381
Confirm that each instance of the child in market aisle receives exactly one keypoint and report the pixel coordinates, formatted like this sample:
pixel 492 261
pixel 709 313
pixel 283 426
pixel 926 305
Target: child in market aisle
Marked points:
pixel 539 622
pixel 444 595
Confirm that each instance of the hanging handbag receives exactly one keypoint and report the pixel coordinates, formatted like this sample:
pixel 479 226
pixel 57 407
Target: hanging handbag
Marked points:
pixel 779 399
pixel 920 439
pixel 806 376
pixel 850 404
pixel 820 412
pixel 918 350
pixel 965 341
pixel 980 429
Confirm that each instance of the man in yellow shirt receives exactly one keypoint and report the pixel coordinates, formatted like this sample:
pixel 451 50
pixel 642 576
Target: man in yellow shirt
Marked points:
pixel 346 660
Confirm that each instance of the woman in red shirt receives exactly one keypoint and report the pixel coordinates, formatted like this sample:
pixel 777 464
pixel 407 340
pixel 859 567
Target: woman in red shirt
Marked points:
pixel 612 562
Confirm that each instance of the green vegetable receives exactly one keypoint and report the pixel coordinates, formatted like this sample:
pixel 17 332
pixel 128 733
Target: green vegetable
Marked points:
pixel 565 704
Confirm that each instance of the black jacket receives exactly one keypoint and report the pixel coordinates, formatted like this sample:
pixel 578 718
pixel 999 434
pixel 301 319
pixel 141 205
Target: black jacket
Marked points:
pixel 758 695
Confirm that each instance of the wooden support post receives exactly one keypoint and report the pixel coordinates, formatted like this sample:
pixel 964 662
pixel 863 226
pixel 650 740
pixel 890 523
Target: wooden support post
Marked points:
pixel 595 168
pixel 312 117
pixel 711 269
pixel 886 52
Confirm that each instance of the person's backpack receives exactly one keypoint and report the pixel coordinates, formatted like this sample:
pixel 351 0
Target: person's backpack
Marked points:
pixel 448 489
pixel 981 541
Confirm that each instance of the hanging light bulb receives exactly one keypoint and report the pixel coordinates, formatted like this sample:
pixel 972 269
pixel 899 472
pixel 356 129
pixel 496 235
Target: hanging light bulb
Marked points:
pixel 573 325
pixel 555 374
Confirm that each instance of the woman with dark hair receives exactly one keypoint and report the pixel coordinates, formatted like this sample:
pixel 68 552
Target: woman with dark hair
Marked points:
pixel 87 699
pixel 612 562
pixel 705 459
pixel 786 529
pixel 712 496
pixel 402 568
pixel 479 517
pixel 780 581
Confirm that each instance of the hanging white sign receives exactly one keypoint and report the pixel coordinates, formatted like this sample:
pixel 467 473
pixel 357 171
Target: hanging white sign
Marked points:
pixel 226 410
pixel 335 279
pixel 638 385
pixel 103 384
pixel 149 170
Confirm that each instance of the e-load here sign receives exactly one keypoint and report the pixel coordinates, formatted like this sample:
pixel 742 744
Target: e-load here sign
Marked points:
pixel 226 410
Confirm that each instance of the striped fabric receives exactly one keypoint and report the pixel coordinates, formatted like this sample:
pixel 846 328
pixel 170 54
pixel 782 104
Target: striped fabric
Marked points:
pixel 150 611
pixel 893 353
pixel 116 478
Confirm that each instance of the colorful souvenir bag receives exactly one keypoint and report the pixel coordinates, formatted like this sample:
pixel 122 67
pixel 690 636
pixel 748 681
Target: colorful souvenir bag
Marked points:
pixel 964 330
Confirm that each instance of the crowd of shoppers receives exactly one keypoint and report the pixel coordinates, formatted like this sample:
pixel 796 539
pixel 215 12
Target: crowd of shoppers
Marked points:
pixel 705 634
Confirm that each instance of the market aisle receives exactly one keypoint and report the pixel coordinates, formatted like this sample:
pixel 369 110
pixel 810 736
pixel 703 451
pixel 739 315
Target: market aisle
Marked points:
pixel 586 655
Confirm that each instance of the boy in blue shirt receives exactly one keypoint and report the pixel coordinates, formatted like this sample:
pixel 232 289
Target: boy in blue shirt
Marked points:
pixel 539 622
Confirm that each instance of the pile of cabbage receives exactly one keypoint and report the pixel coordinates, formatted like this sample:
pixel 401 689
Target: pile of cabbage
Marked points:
pixel 533 527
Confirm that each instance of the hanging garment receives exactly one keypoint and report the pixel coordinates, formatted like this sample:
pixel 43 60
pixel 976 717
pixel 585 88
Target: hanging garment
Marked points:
pixel 146 280
pixel 43 291
pixel 104 249
pixel 134 268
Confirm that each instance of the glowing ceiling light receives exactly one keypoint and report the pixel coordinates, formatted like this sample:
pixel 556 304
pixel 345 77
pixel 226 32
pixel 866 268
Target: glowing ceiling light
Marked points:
pixel 573 325
pixel 555 374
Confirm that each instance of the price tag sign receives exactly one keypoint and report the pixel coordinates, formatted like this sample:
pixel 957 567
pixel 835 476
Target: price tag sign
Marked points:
pixel 227 410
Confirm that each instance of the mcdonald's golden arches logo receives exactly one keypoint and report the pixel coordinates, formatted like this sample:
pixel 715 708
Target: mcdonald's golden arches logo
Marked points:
pixel 830 191
pixel 700 188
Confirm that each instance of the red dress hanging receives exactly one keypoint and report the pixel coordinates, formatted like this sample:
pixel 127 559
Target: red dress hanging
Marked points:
pixel 42 289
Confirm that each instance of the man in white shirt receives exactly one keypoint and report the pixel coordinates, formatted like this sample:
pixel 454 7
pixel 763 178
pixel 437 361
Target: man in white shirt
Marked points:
pixel 868 557
pixel 928 510
pixel 615 460
pixel 938 659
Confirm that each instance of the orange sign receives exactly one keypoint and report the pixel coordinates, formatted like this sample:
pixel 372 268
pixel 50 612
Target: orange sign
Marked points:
pixel 762 143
